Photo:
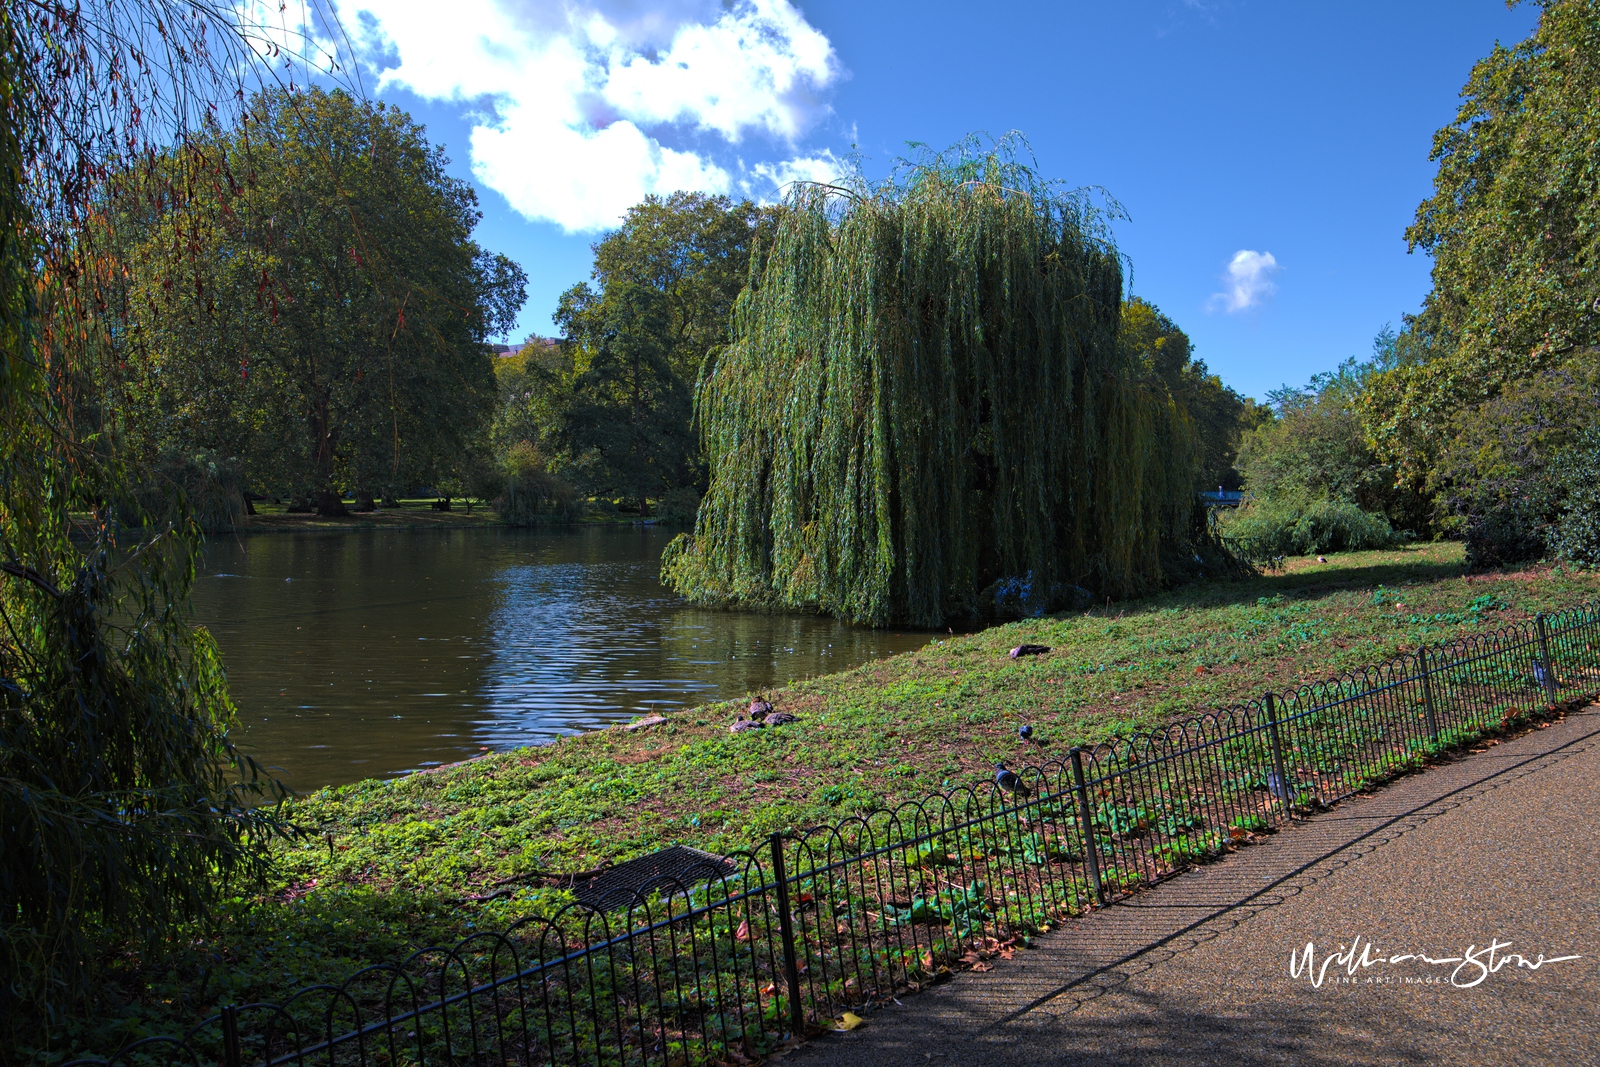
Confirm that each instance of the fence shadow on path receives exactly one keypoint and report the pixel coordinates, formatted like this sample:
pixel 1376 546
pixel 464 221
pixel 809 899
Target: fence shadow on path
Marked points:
pixel 1105 952
pixel 1215 899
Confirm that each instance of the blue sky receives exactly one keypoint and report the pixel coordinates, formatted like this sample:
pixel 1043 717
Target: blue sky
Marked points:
pixel 1269 155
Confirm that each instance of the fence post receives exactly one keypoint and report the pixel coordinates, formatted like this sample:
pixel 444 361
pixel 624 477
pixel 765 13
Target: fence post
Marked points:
pixel 1276 743
pixel 791 965
pixel 1427 696
pixel 1091 850
pixel 231 1054
pixel 1548 667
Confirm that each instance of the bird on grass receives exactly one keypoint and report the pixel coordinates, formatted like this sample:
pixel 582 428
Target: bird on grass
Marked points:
pixel 1029 650
pixel 740 725
pixel 759 709
pixel 1276 786
pixel 778 718
pixel 1025 732
pixel 1008 781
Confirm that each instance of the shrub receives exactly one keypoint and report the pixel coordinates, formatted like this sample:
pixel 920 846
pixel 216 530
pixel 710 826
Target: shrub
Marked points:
pixel 1498 535
pixel 1510 464
pixel 679 506
pixel 532 496
pixel 201 485
pixel 1265 528
pixel 1576 473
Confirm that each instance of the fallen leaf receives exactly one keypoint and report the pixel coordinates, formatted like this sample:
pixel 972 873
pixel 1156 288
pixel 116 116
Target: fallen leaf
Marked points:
pixel 743 933
pixel 848 1021
pixel 770 989
pixel 981 967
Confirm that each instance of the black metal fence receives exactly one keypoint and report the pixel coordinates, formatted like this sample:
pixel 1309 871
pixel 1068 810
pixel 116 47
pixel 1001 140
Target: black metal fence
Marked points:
pixel 728 962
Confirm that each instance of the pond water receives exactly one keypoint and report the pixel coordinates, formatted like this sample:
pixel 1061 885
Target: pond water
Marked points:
pixel 374 653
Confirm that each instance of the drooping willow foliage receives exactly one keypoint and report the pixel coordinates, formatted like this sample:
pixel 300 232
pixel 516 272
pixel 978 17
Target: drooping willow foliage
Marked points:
pixel 924 395
pixel 125 809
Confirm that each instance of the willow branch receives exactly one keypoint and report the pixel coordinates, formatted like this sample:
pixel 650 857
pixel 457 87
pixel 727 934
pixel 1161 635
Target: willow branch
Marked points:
pixel 28 574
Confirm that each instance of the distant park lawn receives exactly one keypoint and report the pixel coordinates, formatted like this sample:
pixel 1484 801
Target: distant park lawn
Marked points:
pixel 409 514
pixel 384 867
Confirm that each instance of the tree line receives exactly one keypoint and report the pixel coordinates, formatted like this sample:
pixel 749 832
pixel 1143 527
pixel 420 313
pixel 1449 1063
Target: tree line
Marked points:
pixel 315 326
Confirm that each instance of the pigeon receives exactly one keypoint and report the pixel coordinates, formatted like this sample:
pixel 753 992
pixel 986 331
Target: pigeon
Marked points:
pixel 1276 786
pixel 1543 676
pixel 1008 781
pixel 1025 732
pixel 1029 650
pixel 778 718
pixel 1322 559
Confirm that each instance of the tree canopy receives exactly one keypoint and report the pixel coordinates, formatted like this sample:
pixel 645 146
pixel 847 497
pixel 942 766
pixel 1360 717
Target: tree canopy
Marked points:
pixel 334 335
pixel 1219 414
pixel 924 394
pixel 693 251
pixel 1513 226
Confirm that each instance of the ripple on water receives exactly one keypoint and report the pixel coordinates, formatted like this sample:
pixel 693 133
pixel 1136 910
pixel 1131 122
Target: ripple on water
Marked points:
pixel 383 651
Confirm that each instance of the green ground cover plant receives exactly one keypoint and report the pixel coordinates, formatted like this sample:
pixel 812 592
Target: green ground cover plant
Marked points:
pixel 383 868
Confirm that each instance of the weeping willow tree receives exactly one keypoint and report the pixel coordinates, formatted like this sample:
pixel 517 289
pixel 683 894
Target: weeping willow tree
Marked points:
pixel 125 808
pixel 925 394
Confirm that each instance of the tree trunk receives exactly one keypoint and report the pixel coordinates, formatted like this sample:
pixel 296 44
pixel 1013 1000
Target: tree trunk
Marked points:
pixel 330 506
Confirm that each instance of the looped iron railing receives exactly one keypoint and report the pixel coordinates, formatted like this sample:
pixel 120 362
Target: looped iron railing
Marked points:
pixel 843 917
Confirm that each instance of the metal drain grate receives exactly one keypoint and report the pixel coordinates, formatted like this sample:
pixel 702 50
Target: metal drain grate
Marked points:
pixel 678 867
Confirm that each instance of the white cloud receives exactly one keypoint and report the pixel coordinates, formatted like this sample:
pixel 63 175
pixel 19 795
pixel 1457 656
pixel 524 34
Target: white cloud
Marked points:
pixel 1249 282
pixel 586 107
pixel 823 167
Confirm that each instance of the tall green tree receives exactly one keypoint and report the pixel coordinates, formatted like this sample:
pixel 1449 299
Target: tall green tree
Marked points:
pixel 1513 227
pixel 335 337
pixel 624 427
pixel 664 286
pixel 1219 415
pixel 693 251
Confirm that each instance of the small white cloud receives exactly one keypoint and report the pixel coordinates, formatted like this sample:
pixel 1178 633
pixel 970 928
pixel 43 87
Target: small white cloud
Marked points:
pixel 1249 281
pixel 586 107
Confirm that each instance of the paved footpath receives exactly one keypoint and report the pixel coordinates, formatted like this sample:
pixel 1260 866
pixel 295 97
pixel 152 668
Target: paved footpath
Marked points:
pixel 1499 845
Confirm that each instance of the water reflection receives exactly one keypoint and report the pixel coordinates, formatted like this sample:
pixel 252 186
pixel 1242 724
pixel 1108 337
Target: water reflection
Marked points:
pixel 373 653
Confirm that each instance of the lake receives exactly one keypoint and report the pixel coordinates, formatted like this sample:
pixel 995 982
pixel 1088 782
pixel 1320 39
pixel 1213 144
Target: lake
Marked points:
pixel 375 653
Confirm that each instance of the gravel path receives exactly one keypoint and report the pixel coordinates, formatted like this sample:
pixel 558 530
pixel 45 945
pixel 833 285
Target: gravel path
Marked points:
pixel 1499 845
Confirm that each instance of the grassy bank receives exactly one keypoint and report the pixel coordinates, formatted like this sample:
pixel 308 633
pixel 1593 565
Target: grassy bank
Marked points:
pixel 386 866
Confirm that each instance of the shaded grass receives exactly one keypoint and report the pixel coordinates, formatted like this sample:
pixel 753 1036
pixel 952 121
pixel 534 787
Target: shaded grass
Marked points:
pixel 383 866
